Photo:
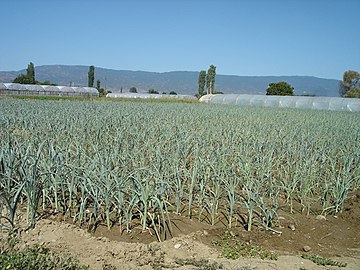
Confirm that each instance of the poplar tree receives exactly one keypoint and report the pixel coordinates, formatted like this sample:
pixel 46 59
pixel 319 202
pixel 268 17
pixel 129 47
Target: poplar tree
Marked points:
pixel 202 82
pixel 91 76
pixel 30 73
pixel 210 79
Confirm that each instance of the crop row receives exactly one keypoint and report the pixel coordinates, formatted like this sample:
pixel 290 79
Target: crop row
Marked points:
pixel 137 164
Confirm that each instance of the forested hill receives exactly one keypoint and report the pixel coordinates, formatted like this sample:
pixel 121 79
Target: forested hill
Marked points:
pixel 182 82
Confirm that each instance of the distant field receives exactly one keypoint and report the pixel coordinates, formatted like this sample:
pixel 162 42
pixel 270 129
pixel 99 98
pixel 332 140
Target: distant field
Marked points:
pixel 132 164
pixel 96 99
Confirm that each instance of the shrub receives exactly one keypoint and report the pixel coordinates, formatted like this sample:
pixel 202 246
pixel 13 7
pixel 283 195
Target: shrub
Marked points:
pixel 133 90
pixel 152 91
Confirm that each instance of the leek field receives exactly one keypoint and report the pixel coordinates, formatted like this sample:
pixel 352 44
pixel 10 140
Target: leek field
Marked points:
pixel 137 164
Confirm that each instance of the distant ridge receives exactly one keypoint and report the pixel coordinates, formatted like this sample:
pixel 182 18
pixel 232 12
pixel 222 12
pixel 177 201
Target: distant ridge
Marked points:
pixel 182 82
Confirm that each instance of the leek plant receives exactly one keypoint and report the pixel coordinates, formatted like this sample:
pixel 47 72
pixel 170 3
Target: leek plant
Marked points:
pixel 31 175
pixel 268 209
pixel 116 165
pixel 179 189
pixel 214 195
pixel 192 176
pixel 250 200
pixel 11 188
pixel 341 184
pixel 231 186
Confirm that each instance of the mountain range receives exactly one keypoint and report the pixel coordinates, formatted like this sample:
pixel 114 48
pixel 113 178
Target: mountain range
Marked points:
pixel 182 82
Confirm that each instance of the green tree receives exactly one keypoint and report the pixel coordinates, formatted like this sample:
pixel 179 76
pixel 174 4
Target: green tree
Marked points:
pixel 30 73
pixel 133 90
pixel 210 79
pixel 350 85
pixel 22 79
pixel 173 93
pixel 29 78
pixel 353 93
pixel 91 76
pixel 202 82
pixel 102 92
pixel 280 89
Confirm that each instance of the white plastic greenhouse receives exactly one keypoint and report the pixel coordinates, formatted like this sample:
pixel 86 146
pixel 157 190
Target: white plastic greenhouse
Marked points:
pixel 46 90
pixel 147 95
pixel 300 102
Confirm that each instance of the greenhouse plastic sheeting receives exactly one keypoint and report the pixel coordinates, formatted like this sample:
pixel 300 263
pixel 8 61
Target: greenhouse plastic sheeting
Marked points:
pixel 50 88
pixel 34 89
pixel 147 95
pixel 15 86
pixel 300 102
pixel 66 89
pixel 90 90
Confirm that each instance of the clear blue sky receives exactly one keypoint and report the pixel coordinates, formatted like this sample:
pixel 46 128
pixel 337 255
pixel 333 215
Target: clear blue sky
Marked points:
pixel 279 37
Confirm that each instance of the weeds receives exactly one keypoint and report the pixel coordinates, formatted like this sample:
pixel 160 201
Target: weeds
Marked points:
pixel 323 261
pixel 233 248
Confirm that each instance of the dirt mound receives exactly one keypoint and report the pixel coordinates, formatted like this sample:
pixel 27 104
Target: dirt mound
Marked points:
pixel 102 253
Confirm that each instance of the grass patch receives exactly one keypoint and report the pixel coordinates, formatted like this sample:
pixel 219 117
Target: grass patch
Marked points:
pixel 323 261
pixel 150 100
pixel 34 257
pixel 54 98
pixel 233 248
pixel 101 99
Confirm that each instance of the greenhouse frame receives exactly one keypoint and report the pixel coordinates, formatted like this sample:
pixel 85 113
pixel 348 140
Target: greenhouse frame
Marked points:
pixel 46 90
pixel 299 102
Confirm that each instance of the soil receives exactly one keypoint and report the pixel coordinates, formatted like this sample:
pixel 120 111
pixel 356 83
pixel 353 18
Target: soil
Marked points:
pixel 336 237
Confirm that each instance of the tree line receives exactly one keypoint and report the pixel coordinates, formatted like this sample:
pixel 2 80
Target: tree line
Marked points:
pixel 349 87
pixel 29 78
